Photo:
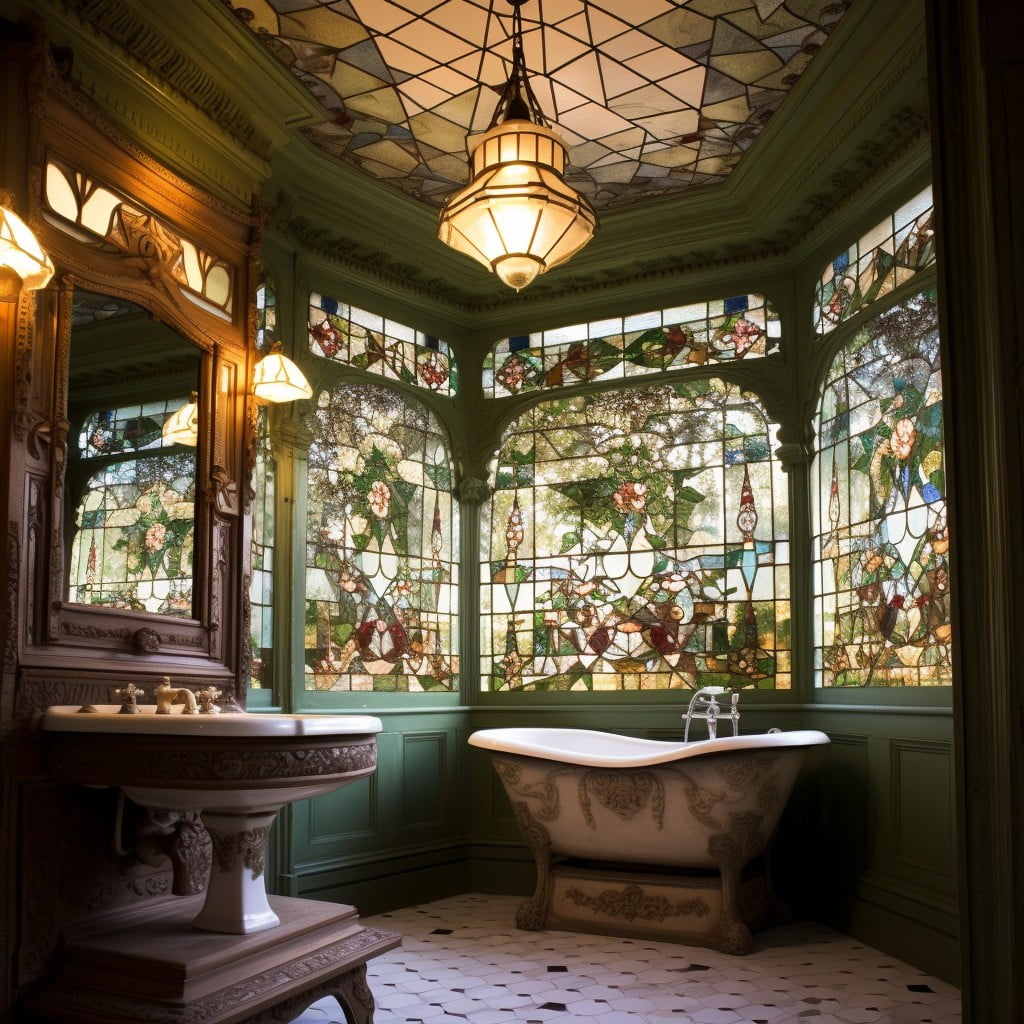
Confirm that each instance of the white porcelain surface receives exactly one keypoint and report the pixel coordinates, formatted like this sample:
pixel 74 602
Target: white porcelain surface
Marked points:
pixel 609 750
pixel 237 769
pixel 68 718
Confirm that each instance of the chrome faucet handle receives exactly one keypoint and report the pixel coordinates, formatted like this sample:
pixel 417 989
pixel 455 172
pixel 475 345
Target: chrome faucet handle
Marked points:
pixel 128 695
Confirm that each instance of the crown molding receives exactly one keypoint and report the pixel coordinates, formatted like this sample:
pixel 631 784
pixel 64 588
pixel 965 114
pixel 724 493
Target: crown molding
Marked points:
pixel 858 116
pixel 192 88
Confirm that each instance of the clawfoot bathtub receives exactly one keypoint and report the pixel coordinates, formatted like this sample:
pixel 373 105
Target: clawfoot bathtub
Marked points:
pixel 642 837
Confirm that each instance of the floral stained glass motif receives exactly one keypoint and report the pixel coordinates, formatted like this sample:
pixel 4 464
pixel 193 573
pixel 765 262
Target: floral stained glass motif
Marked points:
pixel 700 334
pixel 882 571
pixel 892 252
pixel 373 343
pixel 133 547
pixel 381 546
pixel 261 587
pixel 638 539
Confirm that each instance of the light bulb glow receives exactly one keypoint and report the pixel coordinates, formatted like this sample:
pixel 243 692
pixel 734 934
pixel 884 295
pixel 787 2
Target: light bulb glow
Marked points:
pixel 22 253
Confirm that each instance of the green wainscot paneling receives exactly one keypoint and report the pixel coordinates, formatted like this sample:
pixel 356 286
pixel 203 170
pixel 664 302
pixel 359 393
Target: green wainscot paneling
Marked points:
pixel 395 838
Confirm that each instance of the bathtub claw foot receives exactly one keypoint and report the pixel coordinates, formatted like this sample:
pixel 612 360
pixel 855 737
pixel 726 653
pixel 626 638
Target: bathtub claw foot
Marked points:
pixel 735 939
pixel 530 916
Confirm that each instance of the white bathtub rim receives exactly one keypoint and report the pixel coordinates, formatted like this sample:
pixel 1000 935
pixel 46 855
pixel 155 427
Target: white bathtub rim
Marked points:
pixel 593 748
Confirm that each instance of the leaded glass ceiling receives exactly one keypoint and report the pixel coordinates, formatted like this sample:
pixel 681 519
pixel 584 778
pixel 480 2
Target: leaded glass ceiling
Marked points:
pixel 651 96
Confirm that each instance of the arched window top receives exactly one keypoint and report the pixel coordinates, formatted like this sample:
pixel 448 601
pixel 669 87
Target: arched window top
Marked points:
pixel 368 341
pixel 638 539
pixel 381 546
pixel 881 537
pixel 698 334
pixel 890 253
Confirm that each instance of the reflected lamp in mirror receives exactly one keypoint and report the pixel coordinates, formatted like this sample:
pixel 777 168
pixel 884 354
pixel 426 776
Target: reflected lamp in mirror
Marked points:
pixel 182 426
pixel 21 253
pixel 277 379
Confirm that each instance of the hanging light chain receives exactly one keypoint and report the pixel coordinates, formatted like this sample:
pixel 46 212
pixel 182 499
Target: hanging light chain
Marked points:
pixel 517 101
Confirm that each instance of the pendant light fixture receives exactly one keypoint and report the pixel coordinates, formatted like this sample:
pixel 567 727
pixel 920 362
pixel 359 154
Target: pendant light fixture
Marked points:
pixel 517 216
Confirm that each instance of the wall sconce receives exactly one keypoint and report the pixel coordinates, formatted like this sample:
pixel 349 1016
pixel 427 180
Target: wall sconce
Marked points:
pixel 277 379
pixel 517 216
pixel 22 255
pixel 182 426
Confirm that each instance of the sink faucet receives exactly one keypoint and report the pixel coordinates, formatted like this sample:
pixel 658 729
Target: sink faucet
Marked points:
pixel 167 696
pixel 704 704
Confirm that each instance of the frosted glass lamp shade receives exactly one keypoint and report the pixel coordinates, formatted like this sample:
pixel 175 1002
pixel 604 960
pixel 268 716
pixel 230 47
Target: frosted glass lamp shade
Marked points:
pixel 182 426
pixel 277 379
pixel 20 252
pixel 517 216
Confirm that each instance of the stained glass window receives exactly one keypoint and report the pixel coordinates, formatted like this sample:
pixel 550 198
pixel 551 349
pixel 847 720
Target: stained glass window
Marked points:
pixel 133 544
pixel 373 343
pixel 381 546
pixel 261 587
pixel 266 316
pixel 889 254
pixel 882 571
pixel 699 334
pixel 638 539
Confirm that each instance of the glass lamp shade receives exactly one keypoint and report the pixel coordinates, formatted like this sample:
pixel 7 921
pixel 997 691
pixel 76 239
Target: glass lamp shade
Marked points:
pixel 182 426
pixel 517 216
pixel 20 252
pixel 277 379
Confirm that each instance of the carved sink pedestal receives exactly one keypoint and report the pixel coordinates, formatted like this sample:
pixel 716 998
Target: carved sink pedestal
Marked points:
pixel 231 955
pixel 153 965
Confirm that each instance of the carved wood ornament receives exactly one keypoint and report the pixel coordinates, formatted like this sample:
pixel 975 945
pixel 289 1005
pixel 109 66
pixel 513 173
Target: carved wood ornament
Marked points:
pixel 116 223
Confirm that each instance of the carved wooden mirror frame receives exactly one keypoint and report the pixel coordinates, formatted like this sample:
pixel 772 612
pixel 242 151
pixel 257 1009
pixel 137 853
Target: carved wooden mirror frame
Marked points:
pixel 114 221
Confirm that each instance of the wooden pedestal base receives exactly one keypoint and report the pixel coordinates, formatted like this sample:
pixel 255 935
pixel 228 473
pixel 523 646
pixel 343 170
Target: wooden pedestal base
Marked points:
pixel 160 969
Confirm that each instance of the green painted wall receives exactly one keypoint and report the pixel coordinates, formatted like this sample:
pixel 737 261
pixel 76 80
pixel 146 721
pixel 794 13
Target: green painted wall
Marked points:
pixel 868 842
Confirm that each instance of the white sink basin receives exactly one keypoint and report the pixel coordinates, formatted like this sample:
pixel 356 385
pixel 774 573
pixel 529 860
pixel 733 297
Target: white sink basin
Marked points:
pixel 237 769
pixel 107 718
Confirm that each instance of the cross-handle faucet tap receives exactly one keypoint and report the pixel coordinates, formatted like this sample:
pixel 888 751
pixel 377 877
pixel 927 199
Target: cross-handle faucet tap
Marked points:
pixel 167 696
pixel 704 704
pixel 206 697
pixel 128 695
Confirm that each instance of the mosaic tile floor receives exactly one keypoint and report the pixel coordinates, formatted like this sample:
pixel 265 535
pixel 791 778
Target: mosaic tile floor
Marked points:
pixel 463 961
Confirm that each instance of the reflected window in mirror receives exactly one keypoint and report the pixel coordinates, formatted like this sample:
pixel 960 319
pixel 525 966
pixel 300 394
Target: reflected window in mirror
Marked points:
pixel 261 589
pixel 131 481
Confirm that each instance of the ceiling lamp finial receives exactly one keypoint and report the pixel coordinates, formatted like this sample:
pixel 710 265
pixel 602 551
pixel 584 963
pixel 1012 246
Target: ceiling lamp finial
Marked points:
pixel 517 216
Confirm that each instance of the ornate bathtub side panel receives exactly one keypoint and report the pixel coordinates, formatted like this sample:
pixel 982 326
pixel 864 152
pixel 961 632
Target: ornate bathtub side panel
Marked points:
pixel 670 851
pixel 675 815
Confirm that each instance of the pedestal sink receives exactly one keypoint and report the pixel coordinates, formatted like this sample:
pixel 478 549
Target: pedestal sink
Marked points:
pixel 237 769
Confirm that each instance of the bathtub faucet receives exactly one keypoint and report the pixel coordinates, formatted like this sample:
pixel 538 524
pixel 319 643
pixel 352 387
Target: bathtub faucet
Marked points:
pixel 704 704
pixel 167 696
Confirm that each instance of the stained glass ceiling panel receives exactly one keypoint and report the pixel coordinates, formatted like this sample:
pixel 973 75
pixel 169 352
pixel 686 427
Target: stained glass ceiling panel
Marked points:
pixel 651 96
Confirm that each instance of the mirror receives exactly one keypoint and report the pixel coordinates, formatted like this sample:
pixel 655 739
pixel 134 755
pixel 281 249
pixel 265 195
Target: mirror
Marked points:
pixel 130 479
